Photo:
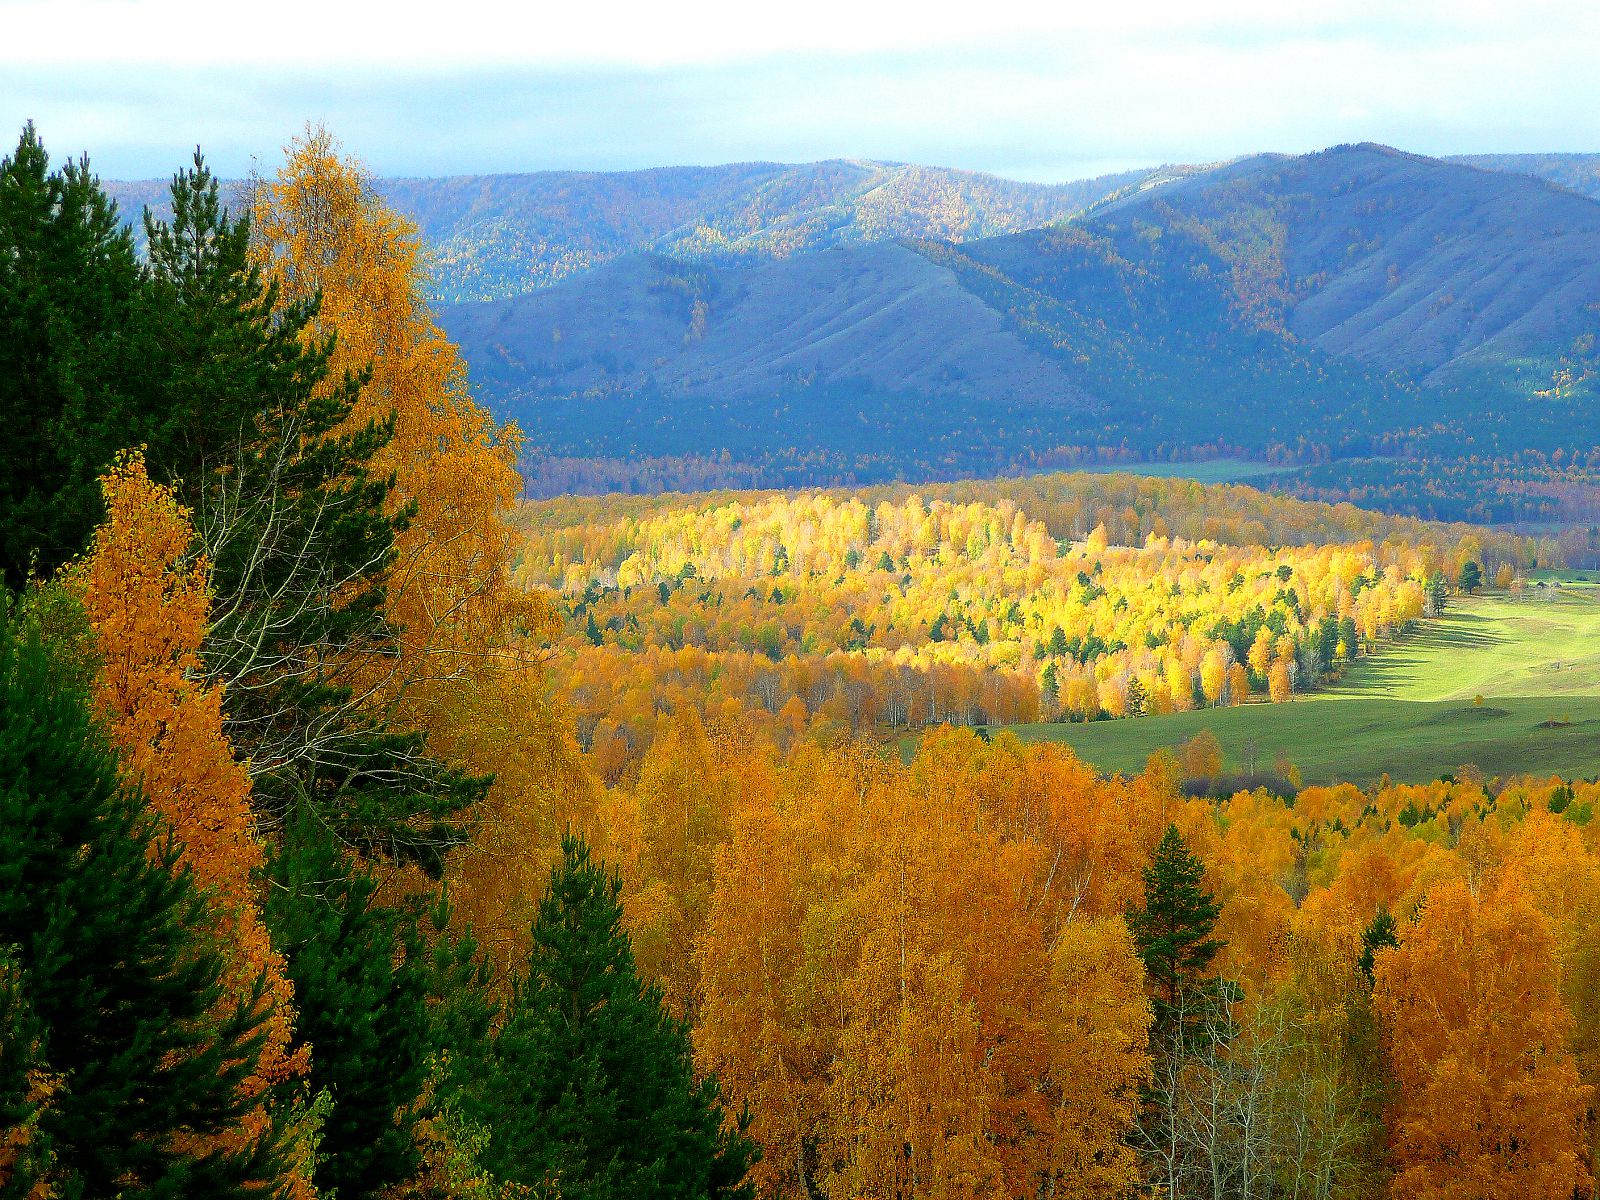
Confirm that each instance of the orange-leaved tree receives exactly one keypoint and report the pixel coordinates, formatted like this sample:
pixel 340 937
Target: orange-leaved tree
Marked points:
pixel 145 597
pixel 890 986
pixel 466 669
pixel 1487 1101
pixel 322 230
pixel 663 833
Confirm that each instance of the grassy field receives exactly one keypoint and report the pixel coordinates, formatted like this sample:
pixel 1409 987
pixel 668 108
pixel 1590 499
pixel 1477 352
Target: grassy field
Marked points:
pixel 1411 710
pixel 1216 470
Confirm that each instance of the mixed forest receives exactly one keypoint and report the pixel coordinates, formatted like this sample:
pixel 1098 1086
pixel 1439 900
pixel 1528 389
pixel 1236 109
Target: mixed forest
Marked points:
pixel 368 832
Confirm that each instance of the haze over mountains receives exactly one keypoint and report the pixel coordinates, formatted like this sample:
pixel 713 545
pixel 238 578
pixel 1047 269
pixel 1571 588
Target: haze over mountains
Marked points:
pixel 500 235
pixel 1356 301
pixel 846 321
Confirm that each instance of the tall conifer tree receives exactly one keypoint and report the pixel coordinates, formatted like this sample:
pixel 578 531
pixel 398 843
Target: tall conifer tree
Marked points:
pixel 361 1002
pixel 72 355
pixel 117 991
pixel 591 1087
pixel 1173 929
pixel 253 435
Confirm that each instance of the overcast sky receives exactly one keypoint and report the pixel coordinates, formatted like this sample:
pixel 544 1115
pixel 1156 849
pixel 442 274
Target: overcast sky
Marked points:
pixel 1060 92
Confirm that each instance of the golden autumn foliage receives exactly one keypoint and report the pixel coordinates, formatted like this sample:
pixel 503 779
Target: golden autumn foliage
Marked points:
pixel 467 667
pixel 146 597
pixel 1105 1020
pixel 918 977
pixel 914 612
pixel 1488 1101
pixel 904 976
pixel 908 955
pixel 917 974
pixel 663 833
pixel 322 231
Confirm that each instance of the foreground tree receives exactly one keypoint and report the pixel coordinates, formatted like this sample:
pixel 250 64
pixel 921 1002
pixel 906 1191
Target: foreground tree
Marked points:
pixel 1173 931
pixel 145 598
pixel 1193 1019
pixel 938 1012
pixel 141 1057
pixel 233 390
pixel 1488 1102
pixel 71 354
pixel 362 1007
pixel 461 663
pixel 591 1088
pixel 263 438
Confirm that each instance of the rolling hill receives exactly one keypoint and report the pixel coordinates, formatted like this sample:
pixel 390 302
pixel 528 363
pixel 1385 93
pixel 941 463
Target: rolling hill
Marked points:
pixel 1404 262
pixel 497 236
pixel 1360 301
pixel 1580 172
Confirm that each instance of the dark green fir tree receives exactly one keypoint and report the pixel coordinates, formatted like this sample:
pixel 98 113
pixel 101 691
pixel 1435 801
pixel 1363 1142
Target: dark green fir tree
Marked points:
pixel 361 1004
pixel 73 357
pixel 591 1089
pixel 1379 935
pixel 1173 932
pixel 251 427
pixel 109 994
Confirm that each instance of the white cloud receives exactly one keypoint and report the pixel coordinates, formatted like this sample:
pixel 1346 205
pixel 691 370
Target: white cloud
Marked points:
pixel 1052 92
pixel 651 33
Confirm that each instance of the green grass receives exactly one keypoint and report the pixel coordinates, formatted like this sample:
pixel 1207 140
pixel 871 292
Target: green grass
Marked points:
pixel 1410 710
pixel 1216 470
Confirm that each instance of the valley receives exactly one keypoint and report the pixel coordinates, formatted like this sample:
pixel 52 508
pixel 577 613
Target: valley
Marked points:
pixel 1508 686
pixel 824 681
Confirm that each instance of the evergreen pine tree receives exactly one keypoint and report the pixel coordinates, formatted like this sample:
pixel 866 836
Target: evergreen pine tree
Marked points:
pixel 361 1005
pixel 72 354
pixel 591 1086
pixel 299 533
pixel 1173 929
pixel 462 1014
pixel 1376 936
pixel 192 357
pixel 113 995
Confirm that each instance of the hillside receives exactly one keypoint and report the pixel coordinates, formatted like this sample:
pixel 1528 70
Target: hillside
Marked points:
pixel 501 235
pixel 1437 269
pixel 1359 302
pixel 1580 172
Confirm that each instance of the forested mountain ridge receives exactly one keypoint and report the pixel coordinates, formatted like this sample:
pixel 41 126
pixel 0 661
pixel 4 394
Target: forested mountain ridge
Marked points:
pixel 1580 172
pixel 846 321
pixel 1394 259
pixel 495 236
pixel 1359 301
pixel 498 235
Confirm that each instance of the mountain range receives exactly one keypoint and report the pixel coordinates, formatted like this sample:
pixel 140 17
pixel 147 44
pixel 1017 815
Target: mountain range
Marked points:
pixel 846 321
pixel 493 236
pixel 1360 301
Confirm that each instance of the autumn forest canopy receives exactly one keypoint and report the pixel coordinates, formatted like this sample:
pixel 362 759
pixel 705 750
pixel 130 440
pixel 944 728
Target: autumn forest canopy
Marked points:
pixel 369 830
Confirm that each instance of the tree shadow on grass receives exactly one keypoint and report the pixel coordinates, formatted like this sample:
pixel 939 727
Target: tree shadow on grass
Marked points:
pixel 1459 629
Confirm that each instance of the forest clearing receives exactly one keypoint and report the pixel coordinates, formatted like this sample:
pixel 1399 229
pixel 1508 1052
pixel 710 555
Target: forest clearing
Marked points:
pixel 1409 711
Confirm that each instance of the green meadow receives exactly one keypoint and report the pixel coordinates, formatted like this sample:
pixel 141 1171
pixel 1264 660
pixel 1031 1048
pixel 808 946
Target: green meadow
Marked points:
pixel 1509 686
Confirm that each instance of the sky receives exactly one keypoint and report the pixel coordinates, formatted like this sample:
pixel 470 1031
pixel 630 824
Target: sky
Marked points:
pixel 1043 92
